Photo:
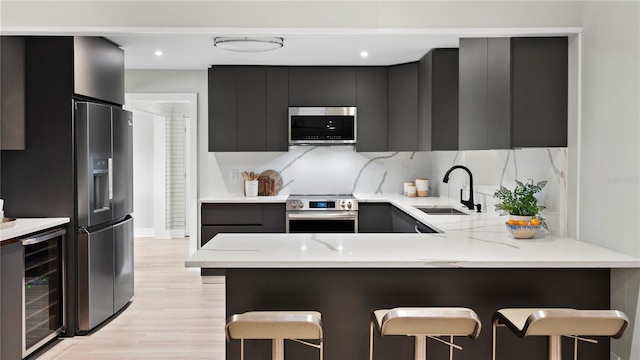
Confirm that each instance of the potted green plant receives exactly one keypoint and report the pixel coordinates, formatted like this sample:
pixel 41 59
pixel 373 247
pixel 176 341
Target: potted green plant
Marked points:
pixel 521 201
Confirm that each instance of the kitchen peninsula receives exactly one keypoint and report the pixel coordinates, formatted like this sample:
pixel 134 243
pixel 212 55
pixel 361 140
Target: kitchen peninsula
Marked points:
pixel 471 262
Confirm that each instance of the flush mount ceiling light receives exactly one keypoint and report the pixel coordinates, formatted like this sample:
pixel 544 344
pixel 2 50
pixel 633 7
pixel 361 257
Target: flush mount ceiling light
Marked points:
pixel 248 44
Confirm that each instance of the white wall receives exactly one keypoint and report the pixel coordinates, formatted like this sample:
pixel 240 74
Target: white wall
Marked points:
pixel 183 81
pixel 173 114
pixel 610 156
pixel 143 173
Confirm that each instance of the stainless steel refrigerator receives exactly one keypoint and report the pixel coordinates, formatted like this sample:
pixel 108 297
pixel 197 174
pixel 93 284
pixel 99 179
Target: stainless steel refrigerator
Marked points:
pixel 104 168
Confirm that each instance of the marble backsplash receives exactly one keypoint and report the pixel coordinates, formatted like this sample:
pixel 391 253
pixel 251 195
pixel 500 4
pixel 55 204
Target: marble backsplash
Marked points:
pixel 492 168
pixel 328 169
pixel 341 170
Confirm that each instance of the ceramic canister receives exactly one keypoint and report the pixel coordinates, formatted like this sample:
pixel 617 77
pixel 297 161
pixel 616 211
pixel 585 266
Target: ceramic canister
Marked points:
pixel 406 187
pixel 251 188
pixel 422 187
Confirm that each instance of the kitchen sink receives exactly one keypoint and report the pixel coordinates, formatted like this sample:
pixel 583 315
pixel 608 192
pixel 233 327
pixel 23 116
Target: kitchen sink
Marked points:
pixel 441 211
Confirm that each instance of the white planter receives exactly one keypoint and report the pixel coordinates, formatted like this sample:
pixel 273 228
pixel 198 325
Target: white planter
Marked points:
pixel 520 217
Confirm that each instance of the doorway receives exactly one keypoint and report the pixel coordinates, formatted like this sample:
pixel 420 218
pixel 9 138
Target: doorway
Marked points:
pixel 164 164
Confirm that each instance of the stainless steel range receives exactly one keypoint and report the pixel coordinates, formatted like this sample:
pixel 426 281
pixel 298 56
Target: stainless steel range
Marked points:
pixel 322 214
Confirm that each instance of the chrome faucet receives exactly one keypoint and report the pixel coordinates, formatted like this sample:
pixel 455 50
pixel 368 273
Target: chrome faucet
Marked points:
pixel 468 203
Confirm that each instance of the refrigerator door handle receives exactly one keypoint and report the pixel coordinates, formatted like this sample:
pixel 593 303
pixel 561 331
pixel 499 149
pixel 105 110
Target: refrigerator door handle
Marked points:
pixel 110 178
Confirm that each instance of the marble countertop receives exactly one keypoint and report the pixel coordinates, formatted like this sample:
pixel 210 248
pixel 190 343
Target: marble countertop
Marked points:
pixel 476 240
pixel 236 198
pixel 30 226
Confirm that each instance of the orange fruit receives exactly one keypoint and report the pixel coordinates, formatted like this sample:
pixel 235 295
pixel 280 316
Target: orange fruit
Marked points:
pixel 535 222
pixel 512 222
pixel 523 223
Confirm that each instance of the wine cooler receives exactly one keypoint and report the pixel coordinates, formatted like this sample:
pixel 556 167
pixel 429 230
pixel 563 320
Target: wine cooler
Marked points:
pixel 43 317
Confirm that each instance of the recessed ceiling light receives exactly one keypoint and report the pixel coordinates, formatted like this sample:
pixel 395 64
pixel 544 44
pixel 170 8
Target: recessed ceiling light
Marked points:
pixel 364 54
pixel 158 53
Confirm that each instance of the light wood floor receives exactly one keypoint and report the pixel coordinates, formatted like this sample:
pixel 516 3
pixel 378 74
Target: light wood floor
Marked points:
pixel 173 314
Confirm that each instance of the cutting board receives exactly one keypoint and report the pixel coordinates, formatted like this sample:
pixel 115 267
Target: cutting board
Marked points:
pixel 269 183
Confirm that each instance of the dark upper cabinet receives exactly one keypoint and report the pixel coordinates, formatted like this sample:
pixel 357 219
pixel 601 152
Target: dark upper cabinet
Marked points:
pixel 402 125
pixel 248 108
pixel 223 124
pixel 440 98
pixel 12 93
pixel 322 86
pixel 98 69
pixel 371 99
pixel 513 93
pixel 277 108
pixel 540 87
pixel 251 108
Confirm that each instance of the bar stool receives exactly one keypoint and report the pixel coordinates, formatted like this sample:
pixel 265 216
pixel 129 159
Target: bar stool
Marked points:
pixel 276 326
pixel 423 323
pixel 555 323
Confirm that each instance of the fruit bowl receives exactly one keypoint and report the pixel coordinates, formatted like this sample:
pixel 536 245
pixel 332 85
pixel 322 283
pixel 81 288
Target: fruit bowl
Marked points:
pixel 523 231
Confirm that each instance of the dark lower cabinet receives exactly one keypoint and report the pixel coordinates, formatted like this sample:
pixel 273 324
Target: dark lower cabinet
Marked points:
pixel 374 218
pixel 240 218
pixel 11 272
pixel 386 218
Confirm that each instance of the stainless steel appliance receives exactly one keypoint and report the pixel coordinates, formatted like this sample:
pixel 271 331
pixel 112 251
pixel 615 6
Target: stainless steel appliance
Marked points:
pixel 43 289
pixel 322 214
pixel 322 125
pixel 104 166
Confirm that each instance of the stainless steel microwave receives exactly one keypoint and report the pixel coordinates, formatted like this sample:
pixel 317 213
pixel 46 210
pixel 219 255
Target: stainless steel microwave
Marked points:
pixel 322 125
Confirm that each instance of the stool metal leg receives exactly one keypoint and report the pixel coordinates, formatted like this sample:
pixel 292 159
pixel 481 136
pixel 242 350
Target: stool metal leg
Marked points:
pixel 420 347
pixel 495 333
pixel 371 340
pixel 277 349
pixel 241 349
pixel 555 347
pixel 451 348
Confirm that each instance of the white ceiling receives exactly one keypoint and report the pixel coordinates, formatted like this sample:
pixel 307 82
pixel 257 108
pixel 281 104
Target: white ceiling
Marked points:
pixel 196 51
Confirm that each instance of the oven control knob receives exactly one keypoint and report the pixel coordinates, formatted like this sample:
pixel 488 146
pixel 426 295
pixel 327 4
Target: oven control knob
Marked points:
pixel 349 205
pixel 342 204
pixel 300 204
pixel 294 204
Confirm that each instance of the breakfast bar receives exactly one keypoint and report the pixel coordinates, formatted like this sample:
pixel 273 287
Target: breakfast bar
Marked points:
pixel 474 264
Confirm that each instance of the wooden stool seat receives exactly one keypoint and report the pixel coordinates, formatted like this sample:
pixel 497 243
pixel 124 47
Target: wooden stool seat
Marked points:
pixel 422 323
pixel 277 326
pixel 555 323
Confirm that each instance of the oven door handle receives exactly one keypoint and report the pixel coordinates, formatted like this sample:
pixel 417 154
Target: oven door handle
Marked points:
pixel 323 216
